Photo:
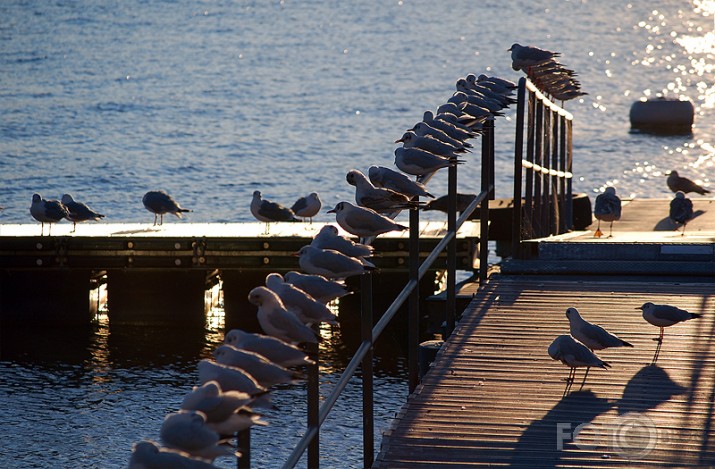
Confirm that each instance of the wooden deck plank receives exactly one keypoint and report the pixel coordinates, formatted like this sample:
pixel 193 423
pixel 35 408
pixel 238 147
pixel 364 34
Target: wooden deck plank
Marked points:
pixel 494 397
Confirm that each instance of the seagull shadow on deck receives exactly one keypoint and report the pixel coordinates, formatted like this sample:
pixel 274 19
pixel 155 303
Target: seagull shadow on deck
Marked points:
pixel 667 224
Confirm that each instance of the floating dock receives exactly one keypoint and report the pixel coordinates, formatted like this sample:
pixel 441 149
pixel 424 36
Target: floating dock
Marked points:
pixel 494 397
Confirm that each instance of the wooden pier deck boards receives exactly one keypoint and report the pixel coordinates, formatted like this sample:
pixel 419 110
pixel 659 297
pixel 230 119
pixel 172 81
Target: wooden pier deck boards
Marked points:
pixel 494 397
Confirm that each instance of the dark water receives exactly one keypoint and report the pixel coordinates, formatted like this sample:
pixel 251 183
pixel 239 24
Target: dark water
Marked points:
pixel 212 100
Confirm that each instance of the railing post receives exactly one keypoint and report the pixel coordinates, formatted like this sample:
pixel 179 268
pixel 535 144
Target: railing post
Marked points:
pixel 368 424
pixel 451 251
pixel 313 407
pixel 413 320
pixel 517 219
pixel 487 182
pixel 243 441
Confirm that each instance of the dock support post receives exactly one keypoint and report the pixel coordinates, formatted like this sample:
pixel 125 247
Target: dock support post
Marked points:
pixel 368 430
pixel 413 322
pixel 45 298
pixel 145 297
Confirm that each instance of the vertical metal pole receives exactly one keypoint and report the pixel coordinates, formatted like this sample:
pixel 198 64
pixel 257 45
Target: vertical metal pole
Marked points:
pixel 487 177
pixel 368 425
pixel 413 322
pixel 313 407
pixel 569 166
pixel 518 157
pixel 451 250
pixel 243 440
pixel 538 175
pixel 565 224
pixel 529 214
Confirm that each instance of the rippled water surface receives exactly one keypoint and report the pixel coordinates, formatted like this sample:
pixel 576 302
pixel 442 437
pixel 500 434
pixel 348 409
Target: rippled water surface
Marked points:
pixel 213 100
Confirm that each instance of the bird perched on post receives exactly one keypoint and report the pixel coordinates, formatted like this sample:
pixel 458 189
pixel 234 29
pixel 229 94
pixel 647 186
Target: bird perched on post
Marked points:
pixel 159 203
pixel 678 183
pixel 524 57
pixel 47 211
pixel 363 222
pixel 377 198
pixel 681 210
pixel 607 208
pixel 79 212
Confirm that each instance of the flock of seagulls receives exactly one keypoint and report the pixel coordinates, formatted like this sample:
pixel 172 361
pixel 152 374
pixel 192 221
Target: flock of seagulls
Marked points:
pixel 577 349
pixel 548 75
pixel 607 206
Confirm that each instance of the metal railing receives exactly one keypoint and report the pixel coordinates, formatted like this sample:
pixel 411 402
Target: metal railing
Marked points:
pixel 363 357
pixel 542 168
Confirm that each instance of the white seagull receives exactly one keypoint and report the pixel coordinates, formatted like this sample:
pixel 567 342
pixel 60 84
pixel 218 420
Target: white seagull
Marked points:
pixel 276 320
pixel 363 222
pixel 159 203
pixel 428 143
pixel 148 455
pixel 187 431
pixel 664 316
pixel 681 210
pixel 308 206
pixel 317 286
pixel 216 404
pixel 47 211
pixel 574 355
pixel 382 176
pixel 607 208
pixel 79 212
pixel 376 198
pixel 329 238
pixel 309 310
pixel 229 378
pixel 418 162
pixel 274 349
pixel 331 264
pixel 263 370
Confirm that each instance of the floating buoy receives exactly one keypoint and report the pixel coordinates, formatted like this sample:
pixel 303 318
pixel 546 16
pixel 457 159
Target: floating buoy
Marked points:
pixel 663 116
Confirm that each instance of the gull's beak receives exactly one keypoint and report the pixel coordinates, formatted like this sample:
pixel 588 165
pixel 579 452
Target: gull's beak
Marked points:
pixel 332 210
pixel 400 140
pixel 295 254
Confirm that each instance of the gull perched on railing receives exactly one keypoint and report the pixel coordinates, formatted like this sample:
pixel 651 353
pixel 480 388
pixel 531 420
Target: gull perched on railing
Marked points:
pixel 276 350
pixel 378 199
pixel 187 431
pixel 309 310
pixel 331 264
pixel 419 162
pixel 263 370
pixel 382 176
pixel 329 238
pixel 146 454
pixel 607 208
pixel 363 222
pixel 278 322
pixel 317 286
pixel 545 72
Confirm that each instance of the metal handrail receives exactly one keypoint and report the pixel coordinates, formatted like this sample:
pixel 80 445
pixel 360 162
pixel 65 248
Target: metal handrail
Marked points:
pixel 410 290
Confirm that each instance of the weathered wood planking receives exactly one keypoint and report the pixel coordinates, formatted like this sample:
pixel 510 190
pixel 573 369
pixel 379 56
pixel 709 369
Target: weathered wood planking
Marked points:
pixel 494 397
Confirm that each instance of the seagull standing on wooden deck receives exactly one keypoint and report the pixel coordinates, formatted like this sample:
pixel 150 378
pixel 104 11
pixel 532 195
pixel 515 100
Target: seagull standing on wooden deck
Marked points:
pixel 607 208
pixel 278 322
pixel 308 206
pixel 47 211
pixel 266 211
pixel 79 212
pixel 681 210
pixel 363 222
pixel 574 355
pixel 664 316
pixel 678 183
pixel 159 203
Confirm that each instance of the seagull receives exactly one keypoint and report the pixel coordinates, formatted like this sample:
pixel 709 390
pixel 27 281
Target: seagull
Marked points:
pixel 664 316
pixel 216 404
pixel 263 370
pixel 419 162
pixel 607 208
pixel 159 203
pixel 267 211
pixel 47 211
pixel 422 129
pixel 363 222
pixel 317 286
pixel 240 420
pixel 524 57
pixel 308 206
pixel 276 350
pixel 187 431
pixel 229 378
pixel 78 211
pixel 681 210
pixel 591 335
pixel 428 143
pixel 331 264
pixel 574 354
pixel 376 198
pixel 276 320
pixel 147 455
pixel 678 183
pixel 460 132
pixel 328 238
pixel 442 203
pixel 381 176
pixel 309 310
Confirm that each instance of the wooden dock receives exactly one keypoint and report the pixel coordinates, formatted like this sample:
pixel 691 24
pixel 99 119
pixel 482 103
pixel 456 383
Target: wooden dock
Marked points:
pixel 494 397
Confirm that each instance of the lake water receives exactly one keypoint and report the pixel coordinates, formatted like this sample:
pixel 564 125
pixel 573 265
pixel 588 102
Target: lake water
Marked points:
pixel 213 100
